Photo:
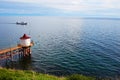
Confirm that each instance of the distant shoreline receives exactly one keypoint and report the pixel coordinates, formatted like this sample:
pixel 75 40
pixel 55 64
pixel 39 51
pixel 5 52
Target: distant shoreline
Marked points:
pixel 79 17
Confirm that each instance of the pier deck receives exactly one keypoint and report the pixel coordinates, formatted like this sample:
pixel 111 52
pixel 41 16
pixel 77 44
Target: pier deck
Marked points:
pixel 10 50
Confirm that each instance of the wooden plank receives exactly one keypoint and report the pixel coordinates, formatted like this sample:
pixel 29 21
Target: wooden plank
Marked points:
pixel 9 49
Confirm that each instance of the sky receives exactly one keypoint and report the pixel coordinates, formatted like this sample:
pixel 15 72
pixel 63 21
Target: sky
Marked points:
pixel 78 8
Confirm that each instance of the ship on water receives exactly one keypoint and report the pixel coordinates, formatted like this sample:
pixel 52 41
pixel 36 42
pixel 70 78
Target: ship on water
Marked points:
pixel 21 23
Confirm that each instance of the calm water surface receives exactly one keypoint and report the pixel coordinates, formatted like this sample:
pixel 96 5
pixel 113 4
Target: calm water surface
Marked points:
pixel 66 46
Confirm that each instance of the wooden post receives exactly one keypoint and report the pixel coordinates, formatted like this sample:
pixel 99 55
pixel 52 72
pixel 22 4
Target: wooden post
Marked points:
pixel 11 56
pixel 19 53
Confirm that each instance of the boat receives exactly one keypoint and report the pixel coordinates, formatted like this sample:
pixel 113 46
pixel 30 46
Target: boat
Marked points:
pixel 21 23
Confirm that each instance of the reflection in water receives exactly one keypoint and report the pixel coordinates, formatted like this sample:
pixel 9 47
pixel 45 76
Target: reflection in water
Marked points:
pixel 23 63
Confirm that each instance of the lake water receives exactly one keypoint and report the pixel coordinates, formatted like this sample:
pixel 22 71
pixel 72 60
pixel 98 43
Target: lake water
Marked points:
pixel 66 45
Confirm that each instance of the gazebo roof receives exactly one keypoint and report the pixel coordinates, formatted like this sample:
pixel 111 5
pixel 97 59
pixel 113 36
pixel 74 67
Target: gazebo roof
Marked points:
pixel 25 37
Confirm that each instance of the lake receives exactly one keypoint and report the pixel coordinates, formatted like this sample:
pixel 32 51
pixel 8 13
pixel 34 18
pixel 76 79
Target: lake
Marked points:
pixel 65 45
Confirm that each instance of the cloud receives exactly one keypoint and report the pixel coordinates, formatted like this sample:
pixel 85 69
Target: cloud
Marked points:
pixel 8 8
pixel 72 6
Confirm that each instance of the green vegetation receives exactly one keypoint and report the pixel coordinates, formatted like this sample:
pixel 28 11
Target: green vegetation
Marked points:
pixel 79 77
pixel 9 74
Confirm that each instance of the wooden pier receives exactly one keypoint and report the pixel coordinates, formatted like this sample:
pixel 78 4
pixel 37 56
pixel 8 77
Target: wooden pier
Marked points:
pixel 10 52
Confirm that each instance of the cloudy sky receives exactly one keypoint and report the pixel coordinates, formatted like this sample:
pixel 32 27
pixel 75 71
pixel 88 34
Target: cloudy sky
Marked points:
pixel 81 8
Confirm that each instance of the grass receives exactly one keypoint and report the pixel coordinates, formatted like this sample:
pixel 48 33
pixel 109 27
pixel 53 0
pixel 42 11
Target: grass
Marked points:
pixel 79 77
pixel 9 74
